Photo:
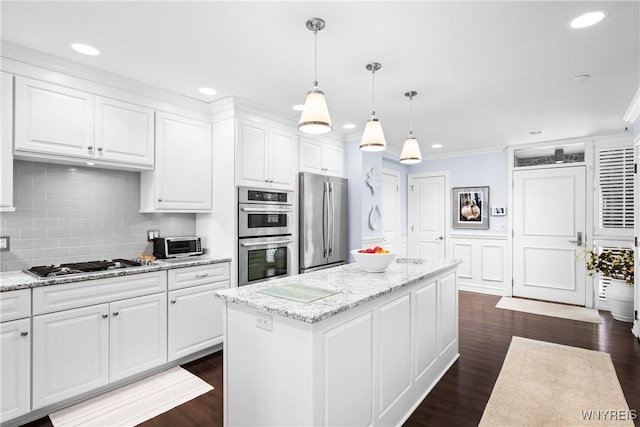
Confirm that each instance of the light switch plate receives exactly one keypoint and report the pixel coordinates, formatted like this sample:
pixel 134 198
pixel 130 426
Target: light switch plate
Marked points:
pixel 5 243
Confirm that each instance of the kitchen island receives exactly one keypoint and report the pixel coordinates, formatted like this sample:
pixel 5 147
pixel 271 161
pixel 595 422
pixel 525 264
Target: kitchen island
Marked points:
pixel 339 346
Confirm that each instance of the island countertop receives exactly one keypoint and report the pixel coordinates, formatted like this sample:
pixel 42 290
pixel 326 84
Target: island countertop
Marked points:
pixel 354 287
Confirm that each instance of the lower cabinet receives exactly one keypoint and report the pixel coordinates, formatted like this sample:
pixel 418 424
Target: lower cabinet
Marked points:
pixel 78 350
pixel 15 353
pixel 195 319
pixel 195 314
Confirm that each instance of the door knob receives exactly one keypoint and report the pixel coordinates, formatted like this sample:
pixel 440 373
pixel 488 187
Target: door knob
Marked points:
pixel 439 238
pixel 577 242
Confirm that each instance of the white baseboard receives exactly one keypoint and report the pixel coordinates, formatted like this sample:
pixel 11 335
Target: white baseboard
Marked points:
pixel 482 289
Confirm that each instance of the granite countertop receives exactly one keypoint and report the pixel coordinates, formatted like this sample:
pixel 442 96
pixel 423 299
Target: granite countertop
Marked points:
pixel 13 280
pixel 354 287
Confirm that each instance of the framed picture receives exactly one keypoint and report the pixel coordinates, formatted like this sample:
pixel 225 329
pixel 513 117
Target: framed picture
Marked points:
pixel 470 207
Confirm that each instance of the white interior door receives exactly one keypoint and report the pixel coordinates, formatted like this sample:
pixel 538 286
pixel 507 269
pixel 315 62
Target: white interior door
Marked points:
pixel 391 210
pixel 549 213
pixel 427 213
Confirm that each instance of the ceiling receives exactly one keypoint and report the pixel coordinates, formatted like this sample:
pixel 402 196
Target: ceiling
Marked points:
pixel 487 73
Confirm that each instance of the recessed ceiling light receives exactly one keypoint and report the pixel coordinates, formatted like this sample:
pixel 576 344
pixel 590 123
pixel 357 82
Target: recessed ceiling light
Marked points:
pixel 349 126
pixel 207 91
pixel 298 107
pixel 85 49
pixel 588 19
pixel 436 145
pixel 581 78
pixel 536 132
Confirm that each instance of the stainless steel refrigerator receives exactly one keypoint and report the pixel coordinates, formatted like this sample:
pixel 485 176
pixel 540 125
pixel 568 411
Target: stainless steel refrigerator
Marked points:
pixel 323 221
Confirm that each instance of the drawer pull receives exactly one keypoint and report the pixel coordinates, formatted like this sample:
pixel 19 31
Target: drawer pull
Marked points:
pixel 173 301
pixel 115 313
pixel 104 316
pixel 24 333
pixel 200 276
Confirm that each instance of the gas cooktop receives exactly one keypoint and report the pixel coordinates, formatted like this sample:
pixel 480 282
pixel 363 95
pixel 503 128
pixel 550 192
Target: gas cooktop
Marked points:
pixel 81 267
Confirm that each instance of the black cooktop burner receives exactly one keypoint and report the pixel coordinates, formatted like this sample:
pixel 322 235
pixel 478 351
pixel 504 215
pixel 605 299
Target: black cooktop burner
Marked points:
pixel 81 267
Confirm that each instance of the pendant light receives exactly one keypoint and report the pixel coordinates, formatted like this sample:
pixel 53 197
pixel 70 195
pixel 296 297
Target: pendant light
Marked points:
pixel 315 114
pixel 373 137
pixel 410 150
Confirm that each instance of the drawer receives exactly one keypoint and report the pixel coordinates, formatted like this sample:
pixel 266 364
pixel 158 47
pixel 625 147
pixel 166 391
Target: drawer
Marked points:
pixel 199 275
pixel 47 299
pixel 15 304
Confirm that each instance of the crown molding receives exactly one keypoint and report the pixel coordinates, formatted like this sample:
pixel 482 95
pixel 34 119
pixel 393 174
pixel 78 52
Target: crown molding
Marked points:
pixel 21 60
pixel 632 113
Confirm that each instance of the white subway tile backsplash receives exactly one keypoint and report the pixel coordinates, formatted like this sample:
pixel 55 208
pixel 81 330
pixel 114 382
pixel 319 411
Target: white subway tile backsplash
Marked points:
pixel 69 214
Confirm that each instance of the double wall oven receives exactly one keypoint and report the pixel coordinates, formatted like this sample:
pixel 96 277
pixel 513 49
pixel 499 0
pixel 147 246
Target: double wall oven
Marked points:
pixel 265 227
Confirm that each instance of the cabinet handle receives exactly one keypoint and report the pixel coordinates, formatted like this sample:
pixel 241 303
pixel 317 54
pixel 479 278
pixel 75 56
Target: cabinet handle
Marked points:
pixel 173 301
pixel 200 276
pixel 24 333
pixel 90 147
pixel 104 316
pixel 160 200
pixel 99 148
pixel 115 313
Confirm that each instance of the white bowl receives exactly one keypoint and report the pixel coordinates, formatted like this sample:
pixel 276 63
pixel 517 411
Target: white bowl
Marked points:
pixel 373 263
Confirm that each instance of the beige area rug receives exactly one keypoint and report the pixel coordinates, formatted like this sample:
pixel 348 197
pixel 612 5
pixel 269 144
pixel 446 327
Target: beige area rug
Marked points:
pixel 545 384
pixel 550 309
pixel 135 403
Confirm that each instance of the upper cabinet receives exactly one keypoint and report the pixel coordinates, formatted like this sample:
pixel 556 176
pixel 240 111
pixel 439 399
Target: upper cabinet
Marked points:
pixel 266 156
pixel 181 181
pixel 322 157
pixel 56 122
pixel 6 144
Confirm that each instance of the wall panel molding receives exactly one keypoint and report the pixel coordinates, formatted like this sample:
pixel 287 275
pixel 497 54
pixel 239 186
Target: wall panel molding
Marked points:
pixel 484 264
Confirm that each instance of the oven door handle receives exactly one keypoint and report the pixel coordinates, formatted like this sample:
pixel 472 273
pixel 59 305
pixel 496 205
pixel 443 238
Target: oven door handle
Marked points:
pixel 266 210
pixel 277 242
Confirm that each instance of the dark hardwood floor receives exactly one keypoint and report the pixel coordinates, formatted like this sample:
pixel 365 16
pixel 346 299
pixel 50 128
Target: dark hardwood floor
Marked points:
pixel 460 397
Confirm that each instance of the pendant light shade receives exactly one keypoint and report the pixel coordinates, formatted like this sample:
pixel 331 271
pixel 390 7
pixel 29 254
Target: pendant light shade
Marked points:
pixel 373 136
pixel 410 150
pixel 315 117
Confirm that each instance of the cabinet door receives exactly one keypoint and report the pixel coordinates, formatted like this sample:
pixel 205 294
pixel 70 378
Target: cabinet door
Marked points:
pixel 195 319
pixel 311 153
pixel 124 132
pixel 183 164
pixel 6 144
pixel 283 160
pixel 70 353
pixel 52 119
pixel 333 159
pixel 252 152
pixel 138 335
pixel 15 353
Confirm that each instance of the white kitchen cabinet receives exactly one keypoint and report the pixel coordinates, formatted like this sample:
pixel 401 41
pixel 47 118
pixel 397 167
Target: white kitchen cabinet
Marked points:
pixel 70 353
pixel 321 157
pixel 78 350
pixel 181 181
pixel 6 144
pixel 58 123
pixel 195 314
pixel 138 335
pixel 15 353
pixel 266 156
pixel 124 132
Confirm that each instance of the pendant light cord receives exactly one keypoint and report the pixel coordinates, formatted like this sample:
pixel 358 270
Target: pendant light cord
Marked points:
pixel 411 115
pixel 373 92
pixel 315 57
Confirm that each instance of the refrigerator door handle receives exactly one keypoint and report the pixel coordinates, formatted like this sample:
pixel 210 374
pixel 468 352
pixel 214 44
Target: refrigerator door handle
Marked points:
pixel 331 219
pixel 325 219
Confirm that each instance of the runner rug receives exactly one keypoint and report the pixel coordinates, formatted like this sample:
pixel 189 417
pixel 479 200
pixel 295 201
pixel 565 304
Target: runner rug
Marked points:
pixel 545 384
pixel 550 309
pixel 135 403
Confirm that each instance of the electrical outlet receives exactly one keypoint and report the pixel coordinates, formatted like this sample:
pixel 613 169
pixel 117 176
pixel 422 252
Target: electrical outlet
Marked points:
pixel 5 243
pixel 152 234
pixel 264 321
